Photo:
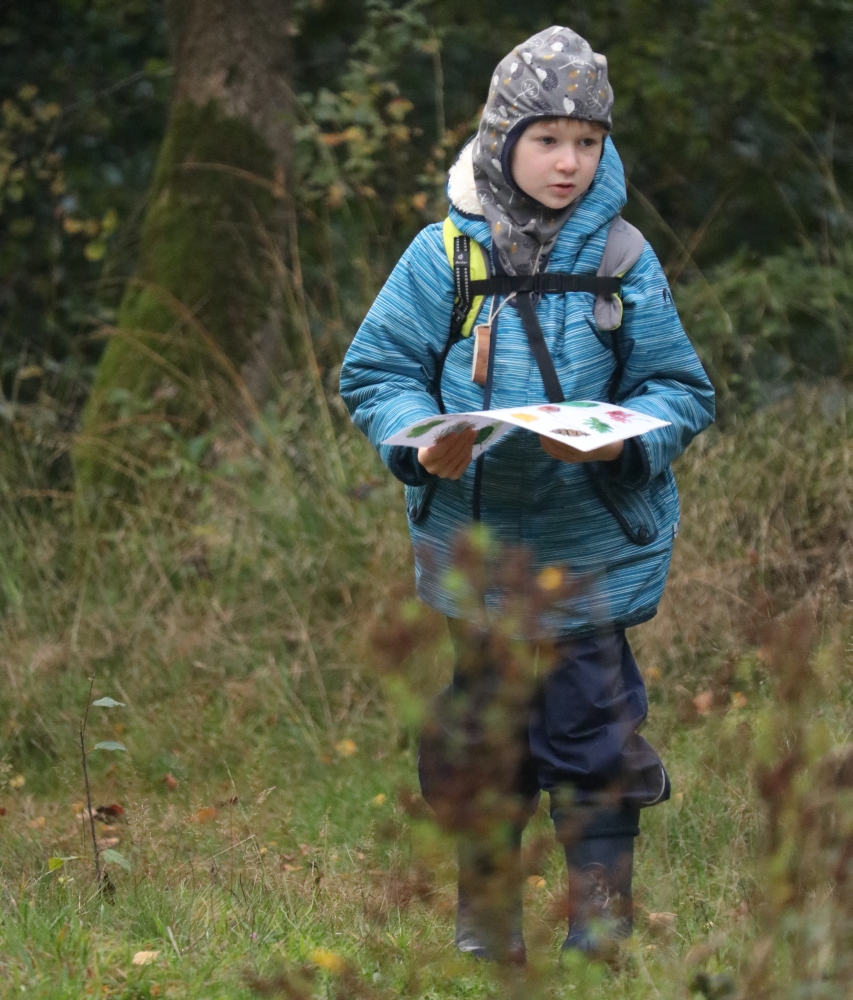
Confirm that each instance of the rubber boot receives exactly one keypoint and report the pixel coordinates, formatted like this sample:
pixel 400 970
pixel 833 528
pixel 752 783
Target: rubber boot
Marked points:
pixel 600 903
pixel 489 912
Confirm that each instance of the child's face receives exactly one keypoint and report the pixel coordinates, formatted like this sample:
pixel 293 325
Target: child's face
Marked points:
pixel 555 159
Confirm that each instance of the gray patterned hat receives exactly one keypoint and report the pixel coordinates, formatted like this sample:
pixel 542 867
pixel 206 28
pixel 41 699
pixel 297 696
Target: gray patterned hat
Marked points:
pixel 553 74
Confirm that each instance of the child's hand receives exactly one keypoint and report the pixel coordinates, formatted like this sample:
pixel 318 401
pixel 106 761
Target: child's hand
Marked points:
pixel 566 453
pixel 450 456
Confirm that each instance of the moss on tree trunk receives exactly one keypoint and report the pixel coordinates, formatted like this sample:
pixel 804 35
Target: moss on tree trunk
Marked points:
pixel 203 284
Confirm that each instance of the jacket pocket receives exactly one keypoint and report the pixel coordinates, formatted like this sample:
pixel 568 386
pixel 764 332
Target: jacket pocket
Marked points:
pixel 418 500
pixel 630 508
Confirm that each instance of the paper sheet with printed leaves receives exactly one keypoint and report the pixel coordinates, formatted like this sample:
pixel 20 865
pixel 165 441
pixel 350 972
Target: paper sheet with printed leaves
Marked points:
pixel 584 424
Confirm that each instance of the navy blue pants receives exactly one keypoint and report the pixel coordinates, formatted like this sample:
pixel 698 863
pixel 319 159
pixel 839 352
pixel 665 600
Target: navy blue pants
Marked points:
pixel 572 731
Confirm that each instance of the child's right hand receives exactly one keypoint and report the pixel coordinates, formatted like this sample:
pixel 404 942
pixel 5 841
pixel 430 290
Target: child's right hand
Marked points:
pixel 450 456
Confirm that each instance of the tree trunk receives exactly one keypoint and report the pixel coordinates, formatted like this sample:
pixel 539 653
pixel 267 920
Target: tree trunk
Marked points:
pixel 203 287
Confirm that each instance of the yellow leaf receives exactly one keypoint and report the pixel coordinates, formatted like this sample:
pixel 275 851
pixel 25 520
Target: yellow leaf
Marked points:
pixel 145 957
pixel 37 823
pixel 536 882
pixel 399 108
pixel 528 418
pixel 328 960
pixel 332 138
pixel 18 781
pixel 336 195
pixel 346 748
pixel 377 800
pixel 550 578
pixel 662 921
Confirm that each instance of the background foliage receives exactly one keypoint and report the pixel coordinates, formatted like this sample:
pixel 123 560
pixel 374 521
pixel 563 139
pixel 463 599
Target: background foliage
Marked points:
pixel 734 122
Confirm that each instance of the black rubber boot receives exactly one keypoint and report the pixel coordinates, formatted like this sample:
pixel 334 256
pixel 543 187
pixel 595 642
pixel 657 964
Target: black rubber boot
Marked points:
pixel 600 903
pixel 599 846
pixel 489 912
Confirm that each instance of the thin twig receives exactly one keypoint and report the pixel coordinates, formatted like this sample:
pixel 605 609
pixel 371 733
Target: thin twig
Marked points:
pixel 86 777
pixel 174 942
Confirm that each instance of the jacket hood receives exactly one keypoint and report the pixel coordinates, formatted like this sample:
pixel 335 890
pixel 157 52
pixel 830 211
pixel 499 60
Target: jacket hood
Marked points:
pixel 604 199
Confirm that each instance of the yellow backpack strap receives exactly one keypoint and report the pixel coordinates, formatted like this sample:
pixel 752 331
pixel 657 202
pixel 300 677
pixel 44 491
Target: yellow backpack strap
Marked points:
pixel 467 260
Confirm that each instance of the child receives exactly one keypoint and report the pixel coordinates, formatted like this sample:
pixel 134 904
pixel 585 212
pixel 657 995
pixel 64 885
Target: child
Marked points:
pixel 539 186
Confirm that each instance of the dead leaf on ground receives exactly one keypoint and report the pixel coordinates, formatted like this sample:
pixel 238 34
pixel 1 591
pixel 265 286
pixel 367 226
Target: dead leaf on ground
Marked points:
pixel 109 814
pixel 171 782
pixel 703 951
pixel 204 815
pixel 662 921
pixel 704 702
pixel 38 823
pixel 145 957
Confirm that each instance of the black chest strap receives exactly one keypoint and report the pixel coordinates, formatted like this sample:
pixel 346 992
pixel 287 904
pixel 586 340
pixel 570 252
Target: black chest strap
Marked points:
pixel 538 347
pixel 546 283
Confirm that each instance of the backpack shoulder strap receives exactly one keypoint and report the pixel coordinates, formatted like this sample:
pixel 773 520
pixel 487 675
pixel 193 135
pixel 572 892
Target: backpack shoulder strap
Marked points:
pixel 624 247
pixel 469 262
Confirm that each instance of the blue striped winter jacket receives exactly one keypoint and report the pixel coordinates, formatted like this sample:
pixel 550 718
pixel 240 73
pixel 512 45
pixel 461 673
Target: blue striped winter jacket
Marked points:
pixel 615 523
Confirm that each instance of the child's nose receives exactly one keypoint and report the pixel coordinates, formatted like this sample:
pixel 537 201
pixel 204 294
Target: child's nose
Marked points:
pixel 568 161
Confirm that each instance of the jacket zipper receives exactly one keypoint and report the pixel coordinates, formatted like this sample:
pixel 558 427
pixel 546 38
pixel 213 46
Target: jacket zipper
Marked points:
pixel 487 402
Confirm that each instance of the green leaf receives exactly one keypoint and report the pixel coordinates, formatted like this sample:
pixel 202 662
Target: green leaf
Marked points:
pixel 108 703
pixel 54 864
pixel 113 857
pixel 110 745
pixel 95 251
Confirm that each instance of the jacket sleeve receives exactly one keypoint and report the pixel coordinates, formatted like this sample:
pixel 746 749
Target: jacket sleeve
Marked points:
pixel 660 374
pixel 388 374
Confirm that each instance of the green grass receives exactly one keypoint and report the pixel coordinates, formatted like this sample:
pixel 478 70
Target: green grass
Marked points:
pixel 239 612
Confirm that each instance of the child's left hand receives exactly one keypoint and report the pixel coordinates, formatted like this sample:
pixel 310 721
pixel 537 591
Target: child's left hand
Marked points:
pixel 566 453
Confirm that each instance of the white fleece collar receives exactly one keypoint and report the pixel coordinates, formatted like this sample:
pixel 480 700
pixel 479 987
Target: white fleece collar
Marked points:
pixel 461 187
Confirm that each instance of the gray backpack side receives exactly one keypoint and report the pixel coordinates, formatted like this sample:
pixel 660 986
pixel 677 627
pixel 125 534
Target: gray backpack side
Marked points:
pixel 624 247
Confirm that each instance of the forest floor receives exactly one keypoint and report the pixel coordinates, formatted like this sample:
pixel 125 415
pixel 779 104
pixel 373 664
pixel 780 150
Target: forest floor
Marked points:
pixel 267 834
